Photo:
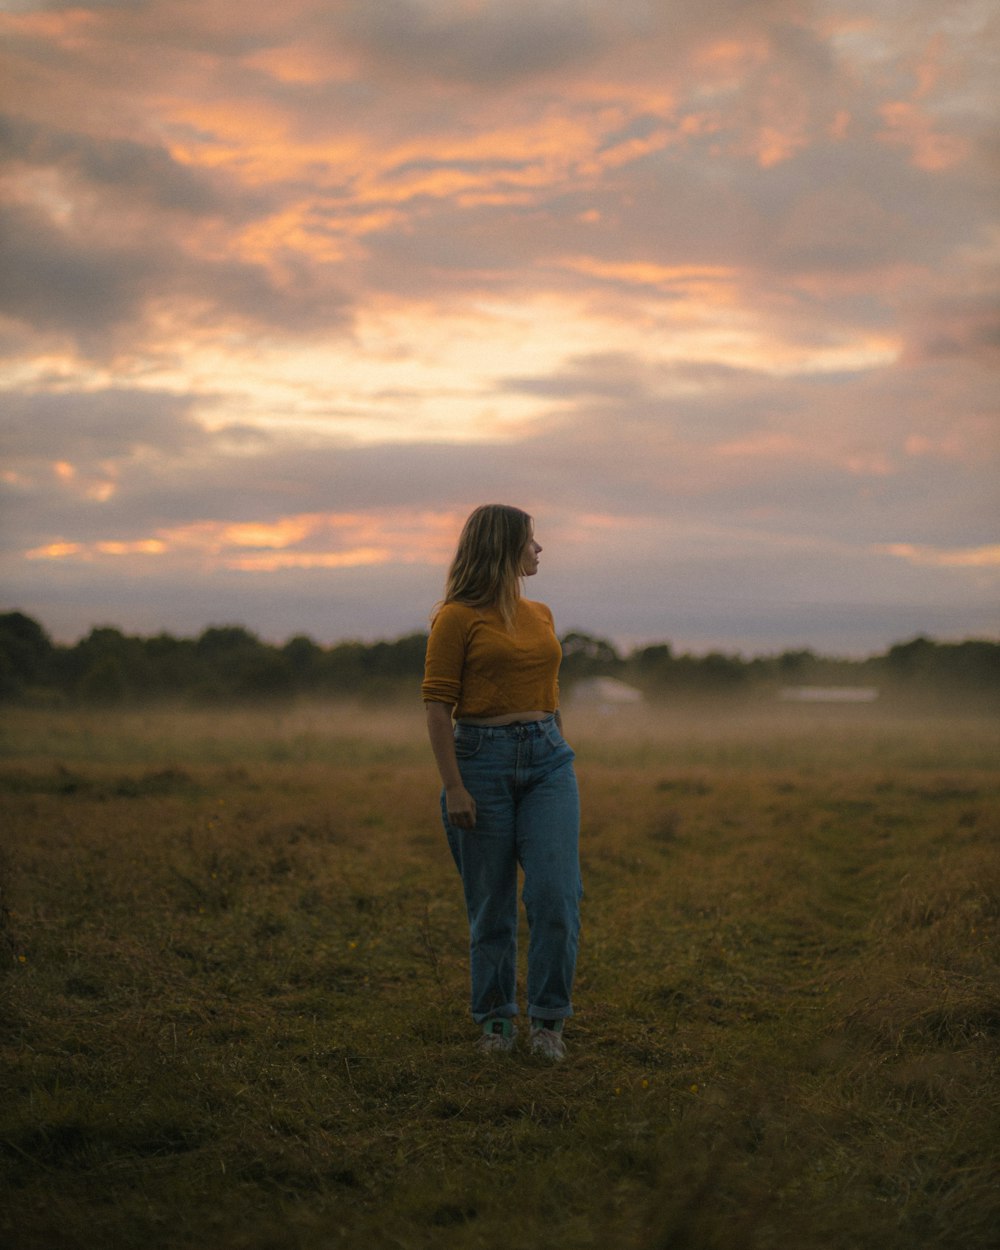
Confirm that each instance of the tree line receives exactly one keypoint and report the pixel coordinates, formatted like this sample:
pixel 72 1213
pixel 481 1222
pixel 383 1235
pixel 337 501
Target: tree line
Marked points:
pixel 228 663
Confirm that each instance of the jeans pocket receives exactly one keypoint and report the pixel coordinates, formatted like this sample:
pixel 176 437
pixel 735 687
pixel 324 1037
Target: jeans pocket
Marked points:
pixel 557 741
pixel 467 742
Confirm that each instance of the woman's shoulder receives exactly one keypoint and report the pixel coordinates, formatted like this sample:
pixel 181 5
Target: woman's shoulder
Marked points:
pixel 540 610
pixel 455 613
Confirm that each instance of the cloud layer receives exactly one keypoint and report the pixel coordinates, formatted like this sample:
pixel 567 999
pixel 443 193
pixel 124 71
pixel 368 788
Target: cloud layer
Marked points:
pixel 711 290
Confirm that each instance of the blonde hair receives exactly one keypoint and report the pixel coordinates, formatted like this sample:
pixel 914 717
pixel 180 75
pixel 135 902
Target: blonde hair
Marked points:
pixel 486 570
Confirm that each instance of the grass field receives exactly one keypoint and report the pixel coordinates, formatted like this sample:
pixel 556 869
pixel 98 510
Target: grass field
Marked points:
pixel 234 990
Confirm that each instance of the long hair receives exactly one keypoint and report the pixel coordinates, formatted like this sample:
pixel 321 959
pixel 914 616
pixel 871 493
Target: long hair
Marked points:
pixel 486 570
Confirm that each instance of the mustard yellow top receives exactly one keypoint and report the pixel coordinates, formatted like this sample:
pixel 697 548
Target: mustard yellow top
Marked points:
pixel 476 664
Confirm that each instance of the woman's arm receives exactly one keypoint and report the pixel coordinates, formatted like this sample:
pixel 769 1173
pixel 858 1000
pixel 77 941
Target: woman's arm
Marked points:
pixel 460 804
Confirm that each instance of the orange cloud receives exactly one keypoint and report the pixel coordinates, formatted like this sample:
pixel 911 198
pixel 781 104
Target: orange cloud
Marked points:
pixel 319 540
pixel 987 557
pixel 257 141
pixel 300 64
pixel 777 445
pixel 311 560
pixel 88 551
pixel 283 533
pixel 770 444
pixel 909 126
pixel 54 551
pixel 68 28
pixel 784 122
pixel 143 546
pixel 254 139
pixel 929 69
pixel 965 442
pixel 294 228
pixel 624 153
pixel 774 144
pixel 732 57
pixel 709 282
pixel 99 489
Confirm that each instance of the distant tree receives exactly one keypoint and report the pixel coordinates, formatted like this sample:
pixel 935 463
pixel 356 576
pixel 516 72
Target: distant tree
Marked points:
pixel 975 663
pixel 226 657
pixel 104 681
pixel 586 656
pixel 659 671
pixel 303 655
pixel 403 658
pixel 266 676
pixel 966 670
pixel 171 665
pixel 342 670
pixel 391 668
pixel 226 640
pixel 795 665
pixel 411 651
pixel 26 654
pixel 651 667
pixel 230 662
pixel 107 666
pixel 719 672
pixel 907 659
pixel 653 656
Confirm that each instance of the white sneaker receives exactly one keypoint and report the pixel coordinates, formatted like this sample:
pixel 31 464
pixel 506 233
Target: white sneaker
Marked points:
pixel 498 1035
pixel 546 1039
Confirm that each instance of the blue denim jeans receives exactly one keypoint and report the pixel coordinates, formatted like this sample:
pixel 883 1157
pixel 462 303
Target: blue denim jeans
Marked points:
pixel 527 813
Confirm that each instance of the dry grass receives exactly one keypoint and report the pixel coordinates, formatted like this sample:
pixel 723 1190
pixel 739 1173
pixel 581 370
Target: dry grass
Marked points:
pixel 234 982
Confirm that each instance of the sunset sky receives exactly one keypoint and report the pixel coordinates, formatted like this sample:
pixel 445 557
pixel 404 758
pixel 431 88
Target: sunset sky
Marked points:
pixel 709 289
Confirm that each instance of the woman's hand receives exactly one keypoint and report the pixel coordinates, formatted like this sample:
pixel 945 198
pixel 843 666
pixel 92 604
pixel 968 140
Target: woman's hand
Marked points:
pixel 461 807
pixel 459 803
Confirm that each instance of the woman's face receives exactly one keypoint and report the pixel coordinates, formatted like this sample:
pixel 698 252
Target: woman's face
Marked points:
pixel 529 557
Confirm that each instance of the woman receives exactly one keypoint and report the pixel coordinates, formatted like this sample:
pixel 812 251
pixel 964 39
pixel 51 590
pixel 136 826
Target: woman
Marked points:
pixel 510 797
